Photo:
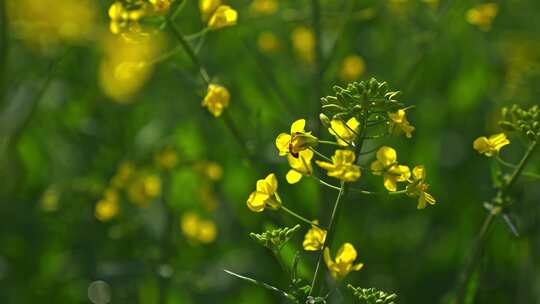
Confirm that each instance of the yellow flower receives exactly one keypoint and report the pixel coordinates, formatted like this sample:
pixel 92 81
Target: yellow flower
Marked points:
pixel 399 123
pixel 265 195
pixel 490 146
pixel 161 6
pixel 223 16
pixel 298 140
pixel 342 166
pixel 482 15
pixel 108 207
pixel 264 7
pixel 123 174
pixel 211 170
pixel 303 41
pixel 314 238
pixel 197 229
pixel 418 188
pixel 217 99
pixel 44 24
pixel 268 42
pixel 207 7
pixel 166 159
pixel 343 264
pixel 300 165
pixel 387 166
pixel 144 189
pixel 345 133
pixel 352 68
pixel 126 66
pixel 122 18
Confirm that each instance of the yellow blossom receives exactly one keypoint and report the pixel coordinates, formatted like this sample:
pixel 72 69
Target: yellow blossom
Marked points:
pixel 482 15
pixel 345 133
pixel 387 166
pixel 207 7
pixel 300 166
pixel 264 7
pixel 217 99
pixel 122 18
pixel 223 16
pixel 342 166
pixel 399 123
pixel 108 207
pixel 268 42
pixel 298 140
pixel 303 41
pixel 45 23
pixel 123 174
pixel 418 188
pixel 265 195
pixel 208 198
pixel 126 65
pixel 144 189
pixel 352 68
pixel 166 159
pixel 490 146
pixel 161 6
pixel 343 263
pixel 314 238
pixel 197 229
pixel 209 169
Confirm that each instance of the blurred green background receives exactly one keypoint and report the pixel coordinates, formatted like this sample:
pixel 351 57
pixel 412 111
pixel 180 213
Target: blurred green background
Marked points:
pixel 63 140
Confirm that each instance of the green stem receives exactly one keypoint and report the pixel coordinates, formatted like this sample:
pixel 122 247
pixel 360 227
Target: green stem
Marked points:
pixel 189 50
pixel 327 142
pixel 477 250
pixel 173 14
pixel 510 165
pixel 298 216
pixel 329 237
pixel 4 49
pixel 229 123
pixel 318 75
pixel 320 154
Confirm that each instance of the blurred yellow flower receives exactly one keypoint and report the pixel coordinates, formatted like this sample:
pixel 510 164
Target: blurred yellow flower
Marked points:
pixel 121 18
pixel 144 188
pixel 161 6
pixel 342 166
pixel 265 195
pixel 223 16
pixel 345 133
pixel 166 159
pixel 418 188
pixel 303 41
pixel 208 198
pixel 108 207
pixel 300 166
pixel 45 23
pixel 490 146
pixel 482 15
pixel 314 238
pixel 198 230
pixel 127 64
pixel 352 67
pixel 207 7
pixel 50 199
pixel 264 7
pixel 298 140
pixel 217 99
pixel 123 174
pixel 209 169
pixel 343 265
pixel 399 124
pixel 268 42
pixel 387 166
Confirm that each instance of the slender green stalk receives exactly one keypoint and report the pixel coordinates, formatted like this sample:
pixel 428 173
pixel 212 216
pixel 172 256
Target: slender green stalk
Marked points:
pixel 329 237
pixel 318 75
pixel 189 50
pixel 481 239
pixel 327 142
pixel 320 154
pixel 298 216
pixel 509 165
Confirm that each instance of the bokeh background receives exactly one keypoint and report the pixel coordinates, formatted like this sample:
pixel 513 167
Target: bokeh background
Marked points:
pixel 69 134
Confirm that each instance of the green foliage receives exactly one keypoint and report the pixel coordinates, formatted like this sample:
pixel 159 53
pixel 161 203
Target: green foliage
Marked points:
pixel 276 238
pixel 372 295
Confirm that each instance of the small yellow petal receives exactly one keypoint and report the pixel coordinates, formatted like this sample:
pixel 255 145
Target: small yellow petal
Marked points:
pixel 298 126
pixel 282 143
pixel 293 176
pixel 387 156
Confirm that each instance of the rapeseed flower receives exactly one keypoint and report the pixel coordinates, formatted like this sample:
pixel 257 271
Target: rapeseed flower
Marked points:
pixel 342 166
pixel 482 15
pixel 387 166
pixel 217 99
pixel 314 238
pixel 300 166
pixel 345 133
pixel 352 67
pixel 223 16
pixel 344 262
pixel 197 230
pixel 418 188
pixel 492 145
pixel 298 140
pixel 399 124
pixel 265 195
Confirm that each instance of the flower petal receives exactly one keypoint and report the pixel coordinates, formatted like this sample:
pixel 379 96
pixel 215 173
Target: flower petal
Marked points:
pixel 298 126
pixel 293 176
pixel 387 156
pixel 282 143
pixel 346 254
